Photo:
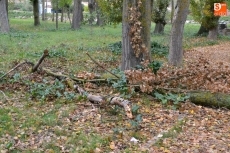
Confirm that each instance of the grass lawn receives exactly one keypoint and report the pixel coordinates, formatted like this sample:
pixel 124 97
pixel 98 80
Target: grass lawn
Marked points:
pixel 30 122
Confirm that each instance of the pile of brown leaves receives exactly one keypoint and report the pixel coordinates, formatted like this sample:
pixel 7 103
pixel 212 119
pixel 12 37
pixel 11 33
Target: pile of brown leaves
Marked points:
pixel 196 75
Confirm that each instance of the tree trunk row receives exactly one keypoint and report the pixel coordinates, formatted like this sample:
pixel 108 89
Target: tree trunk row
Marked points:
pixel 4 23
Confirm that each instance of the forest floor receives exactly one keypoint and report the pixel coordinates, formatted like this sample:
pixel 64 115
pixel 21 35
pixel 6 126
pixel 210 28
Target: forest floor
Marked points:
pixel 57 125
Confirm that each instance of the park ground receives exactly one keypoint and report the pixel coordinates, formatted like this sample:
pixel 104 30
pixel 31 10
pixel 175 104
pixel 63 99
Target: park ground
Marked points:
pixel 70 123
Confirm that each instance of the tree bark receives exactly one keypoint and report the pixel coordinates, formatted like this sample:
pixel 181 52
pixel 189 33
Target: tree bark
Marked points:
pixel 202 30
pixel 57 15
pixel 36 12
pixel 211 99
pixel 62 14
pixel 213 33
pixel 76 22
pixel 43 10
pixel 159 28
pixel 4 22
pixel 172 10
pixel 129 59
pixel 175 50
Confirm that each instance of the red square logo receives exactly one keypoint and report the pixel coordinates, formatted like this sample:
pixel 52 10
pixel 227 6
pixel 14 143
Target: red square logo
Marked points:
pixel 220 9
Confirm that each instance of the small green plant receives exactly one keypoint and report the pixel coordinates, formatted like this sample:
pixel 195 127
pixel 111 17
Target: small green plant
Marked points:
pixel 136 122
pixel 158 49
pixel 155 66
pixel 175 99
pixel 57 53
pixel 121 84
pixel 45 90
pixel 16 77
pixel 115 47
pixel 135 109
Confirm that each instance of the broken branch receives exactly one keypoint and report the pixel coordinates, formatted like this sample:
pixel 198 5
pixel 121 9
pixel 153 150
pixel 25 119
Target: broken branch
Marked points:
pixel 45 54
pixel 102 66
pixel 20 64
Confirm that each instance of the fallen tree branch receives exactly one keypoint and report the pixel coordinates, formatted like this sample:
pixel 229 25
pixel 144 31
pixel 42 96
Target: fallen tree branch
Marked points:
pixel 102 66
pixel 211 99
pixel 63 76
pixel 44 55
pixel 111 100
pixel 20 64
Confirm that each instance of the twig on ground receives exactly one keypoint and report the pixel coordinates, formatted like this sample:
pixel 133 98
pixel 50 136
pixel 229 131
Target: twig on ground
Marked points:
pixel 20 64
pixel 102 66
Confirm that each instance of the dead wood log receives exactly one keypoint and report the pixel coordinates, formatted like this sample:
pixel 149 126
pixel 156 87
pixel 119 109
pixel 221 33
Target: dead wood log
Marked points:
pixel 211 99
pixel 203 98
pixel 44 55
pixel 102 100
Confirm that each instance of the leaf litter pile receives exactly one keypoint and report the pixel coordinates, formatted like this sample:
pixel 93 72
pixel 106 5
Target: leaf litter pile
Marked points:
pixel 62 120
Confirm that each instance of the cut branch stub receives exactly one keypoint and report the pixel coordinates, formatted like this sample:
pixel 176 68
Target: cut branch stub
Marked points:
pixel 45 54
pixel 124 103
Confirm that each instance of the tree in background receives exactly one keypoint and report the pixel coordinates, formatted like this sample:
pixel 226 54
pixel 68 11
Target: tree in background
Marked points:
pixel 136 23
pixel 203 12
pixel 76 21
pixel 111 10
pixel 158 15
pixel 175 46
pixel 36 12
pixel 65 5
pixel 4 23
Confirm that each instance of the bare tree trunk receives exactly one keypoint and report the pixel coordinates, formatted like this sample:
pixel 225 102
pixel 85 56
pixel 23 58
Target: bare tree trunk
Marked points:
pixel 159 28
pixel 36 12
pixel 7 3
pixel 172 10
pixel 4 22
pixel 57 15
pixel 53 15
pixel 202 30
pixel 62 14
pixel 82 10
pixel 175 47
pixel 129 58
pixel 43 10
pixel 76 22
pixel 68 14
pixel 213 33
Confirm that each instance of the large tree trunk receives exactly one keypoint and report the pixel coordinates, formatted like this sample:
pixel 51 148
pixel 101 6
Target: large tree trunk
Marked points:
pixel 213 33
pixel 175 50
pixel 4 23
pixel 172 10
pixel 76 22
pixel 159 28
pixel 211 99
pixel 202 30
pixel 129 58
pixel 36 12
